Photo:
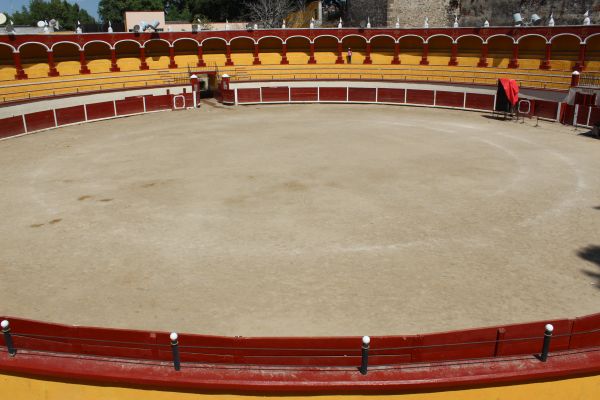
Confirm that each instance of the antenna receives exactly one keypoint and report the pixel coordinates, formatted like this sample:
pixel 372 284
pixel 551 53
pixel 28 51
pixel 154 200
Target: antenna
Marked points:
pixel 154 24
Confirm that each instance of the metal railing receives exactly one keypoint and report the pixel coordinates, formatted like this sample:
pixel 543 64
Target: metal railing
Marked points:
pixel 589 79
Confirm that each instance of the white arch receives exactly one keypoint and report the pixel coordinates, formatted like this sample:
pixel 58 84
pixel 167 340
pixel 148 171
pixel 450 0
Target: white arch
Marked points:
pixel 532 35
pixel 565 34
pixel 270 36
pixel 382 35
pixel 213 38
pixel 64 41
pixel 411 35
pixel 241 37
pixel 11 46
pixel 331 36
pixel 156 40
pixel 355 35
pixel 470 34
pixel 98 41
pixel 126 40
pixel 192 39
pixel 589 37
pixel 23 44
pixel 438 35
pixel 512 39
pixel 297 36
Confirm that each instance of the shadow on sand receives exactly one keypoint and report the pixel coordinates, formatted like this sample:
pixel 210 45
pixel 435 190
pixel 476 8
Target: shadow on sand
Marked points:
pixel 591 253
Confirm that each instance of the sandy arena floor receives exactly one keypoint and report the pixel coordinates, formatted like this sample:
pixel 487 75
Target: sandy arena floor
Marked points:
pixel 300 220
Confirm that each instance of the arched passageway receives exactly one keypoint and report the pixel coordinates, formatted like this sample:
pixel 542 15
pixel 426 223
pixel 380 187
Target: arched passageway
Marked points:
pixel 242 51
pixel 214 51
pixel 440 50
pixel 382 50
pixel 98 57
pixel 358 45
pixel 7 64
pixel 326 50
pixel 564 53
pixel 128 55
pixel 270 50
pixel 411 50
pixel 186 53
pixel 157 54
pixel 469 51
pixel 499 51
pixel 532 51
pixel 66 58
pixel 298 50
pixel 34 59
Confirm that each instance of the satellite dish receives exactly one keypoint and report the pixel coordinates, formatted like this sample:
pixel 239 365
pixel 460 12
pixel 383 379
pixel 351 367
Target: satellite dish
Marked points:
pixel 52 22
pixel 535 19
pixel 136 28
pixel 2 18
pixel 363 24
pixel 10 28
pixel 195 28
pixel 41 24
pixel 518 19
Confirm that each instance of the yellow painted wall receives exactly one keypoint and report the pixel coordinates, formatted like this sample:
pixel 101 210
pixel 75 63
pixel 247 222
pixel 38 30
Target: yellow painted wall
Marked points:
pixel 127 64
pixel 19 388
pixel 325 57
pixel 38 70
pixel 99 65
pixel 158 62
pixel 381 57
pixel 412 58
pixel 68 67
pixel 220 59
pixel 298 57
pixel 186 59
pixel 242 58
pixel 7 73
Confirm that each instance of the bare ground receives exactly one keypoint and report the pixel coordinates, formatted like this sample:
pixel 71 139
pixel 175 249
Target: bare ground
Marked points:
pixel 300 220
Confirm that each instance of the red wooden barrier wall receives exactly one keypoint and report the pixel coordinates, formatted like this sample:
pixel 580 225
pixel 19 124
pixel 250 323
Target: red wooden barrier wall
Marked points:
pixel 275 94
pixel 332 93
pixel 304 94
pixel 449 99
pixel 419 97
pixel 362 94
pixel 11 126
pixel 100 110
pixel 40 120
pixel 391 95
pixel 248 95
pixel 70 115
pixel 478 101
pixel 131 105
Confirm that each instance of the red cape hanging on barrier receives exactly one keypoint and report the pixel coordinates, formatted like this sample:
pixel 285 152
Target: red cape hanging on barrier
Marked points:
pixel 511 89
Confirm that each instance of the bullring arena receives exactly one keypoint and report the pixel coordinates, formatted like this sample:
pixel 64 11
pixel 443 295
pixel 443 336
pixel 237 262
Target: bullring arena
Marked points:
pixel 157 243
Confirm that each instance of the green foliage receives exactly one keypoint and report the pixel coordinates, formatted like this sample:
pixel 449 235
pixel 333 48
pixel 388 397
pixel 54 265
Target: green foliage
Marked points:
pixel 66 13
pixel 213 10
pixel 114 10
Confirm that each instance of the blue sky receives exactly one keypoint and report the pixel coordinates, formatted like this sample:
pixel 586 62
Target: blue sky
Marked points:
pixel 91 6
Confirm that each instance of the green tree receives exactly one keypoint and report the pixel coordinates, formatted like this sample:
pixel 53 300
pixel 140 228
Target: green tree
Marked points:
pixel 114 10
pixel 65 13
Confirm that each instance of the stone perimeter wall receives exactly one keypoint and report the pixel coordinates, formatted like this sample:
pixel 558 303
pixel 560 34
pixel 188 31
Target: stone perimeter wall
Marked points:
pixel 441 13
